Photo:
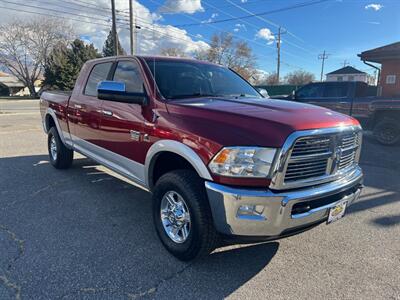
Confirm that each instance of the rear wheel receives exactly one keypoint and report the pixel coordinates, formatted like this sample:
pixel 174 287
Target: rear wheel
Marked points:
pixel 60 156
pixel 182 215
pixel 387 131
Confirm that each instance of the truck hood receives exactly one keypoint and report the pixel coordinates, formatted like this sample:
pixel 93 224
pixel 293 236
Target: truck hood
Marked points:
pixel 264 122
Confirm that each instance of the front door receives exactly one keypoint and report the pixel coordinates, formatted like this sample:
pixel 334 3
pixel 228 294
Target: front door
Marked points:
pixel 122 124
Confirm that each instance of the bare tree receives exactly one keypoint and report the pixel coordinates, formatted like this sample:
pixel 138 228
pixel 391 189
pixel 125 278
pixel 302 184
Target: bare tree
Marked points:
pixel 299 77
pixel 270 79
pixel 227 51
pixel 24 47
pixel 175 52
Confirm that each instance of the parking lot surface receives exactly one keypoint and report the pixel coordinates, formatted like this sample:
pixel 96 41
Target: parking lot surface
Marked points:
pixel 84 233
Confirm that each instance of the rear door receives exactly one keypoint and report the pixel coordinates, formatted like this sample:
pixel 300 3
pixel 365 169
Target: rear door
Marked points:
pixel 85 110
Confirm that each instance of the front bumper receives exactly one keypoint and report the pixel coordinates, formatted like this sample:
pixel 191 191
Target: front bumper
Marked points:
pixel 277 214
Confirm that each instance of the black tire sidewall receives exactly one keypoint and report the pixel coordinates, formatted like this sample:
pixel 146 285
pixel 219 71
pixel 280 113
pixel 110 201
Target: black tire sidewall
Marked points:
pixel 382 125
pixel 64 155
pixel 53 132
pixel 195 201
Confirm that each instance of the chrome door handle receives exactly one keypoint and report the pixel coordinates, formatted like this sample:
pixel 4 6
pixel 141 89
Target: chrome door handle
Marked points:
pixel 107 113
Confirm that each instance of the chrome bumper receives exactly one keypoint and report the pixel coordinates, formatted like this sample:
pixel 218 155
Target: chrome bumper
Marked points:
pixel 274 215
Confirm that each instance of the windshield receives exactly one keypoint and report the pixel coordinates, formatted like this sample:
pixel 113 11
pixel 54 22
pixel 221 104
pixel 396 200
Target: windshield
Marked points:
pixel 182 79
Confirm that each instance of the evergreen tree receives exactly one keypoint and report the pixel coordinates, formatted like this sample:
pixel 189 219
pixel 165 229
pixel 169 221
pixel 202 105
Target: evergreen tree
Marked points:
pixel 64 64
pixel 108 48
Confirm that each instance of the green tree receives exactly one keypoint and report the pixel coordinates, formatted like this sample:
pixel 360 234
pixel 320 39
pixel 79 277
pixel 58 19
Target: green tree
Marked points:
pixel 108 48
pixel 64 63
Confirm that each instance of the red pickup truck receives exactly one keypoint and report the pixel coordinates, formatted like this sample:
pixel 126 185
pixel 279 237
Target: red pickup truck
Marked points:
pixel 222 162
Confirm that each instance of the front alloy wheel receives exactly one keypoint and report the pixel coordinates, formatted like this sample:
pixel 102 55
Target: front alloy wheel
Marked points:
pixel 53 148
pixel 175 217
pixel 182 215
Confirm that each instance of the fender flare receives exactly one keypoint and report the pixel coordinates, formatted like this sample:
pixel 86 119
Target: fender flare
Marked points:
pixel 50 112
pixel 180 149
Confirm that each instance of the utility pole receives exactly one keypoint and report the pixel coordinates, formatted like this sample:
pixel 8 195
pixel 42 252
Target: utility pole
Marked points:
pixel 131 24
pixel 278 63
pixel 114 28
pixel 345 63
pixel 323 56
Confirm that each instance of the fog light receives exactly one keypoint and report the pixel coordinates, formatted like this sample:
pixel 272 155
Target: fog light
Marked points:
pixel 251 212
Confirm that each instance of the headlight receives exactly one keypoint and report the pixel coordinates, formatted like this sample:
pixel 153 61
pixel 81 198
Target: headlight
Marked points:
pixel 243 162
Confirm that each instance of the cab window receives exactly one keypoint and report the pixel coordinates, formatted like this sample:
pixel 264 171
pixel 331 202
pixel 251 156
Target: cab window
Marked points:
pixel 98 73
pixel 129 73
pixel 310 91
pixel 335 90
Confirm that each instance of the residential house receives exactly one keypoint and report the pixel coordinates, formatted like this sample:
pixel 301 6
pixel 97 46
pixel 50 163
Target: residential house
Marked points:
pixel 347 73
pixel 388 57
pixel 12 86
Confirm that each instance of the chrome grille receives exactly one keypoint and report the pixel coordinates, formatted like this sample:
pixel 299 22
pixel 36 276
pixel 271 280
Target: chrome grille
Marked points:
pixel 314 157
pixel 348 146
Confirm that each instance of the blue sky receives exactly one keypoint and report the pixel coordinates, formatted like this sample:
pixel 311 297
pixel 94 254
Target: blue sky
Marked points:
pixel 342 28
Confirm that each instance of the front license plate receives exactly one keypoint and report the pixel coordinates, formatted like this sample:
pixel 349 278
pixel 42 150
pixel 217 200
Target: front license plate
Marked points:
pixel 337 212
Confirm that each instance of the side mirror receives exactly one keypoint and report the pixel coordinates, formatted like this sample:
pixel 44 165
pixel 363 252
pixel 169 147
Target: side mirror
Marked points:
pixel 116 91
pixel 263 92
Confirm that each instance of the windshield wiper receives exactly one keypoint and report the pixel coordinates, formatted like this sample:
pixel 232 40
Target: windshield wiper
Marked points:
pixel 242 96
pixel 195 95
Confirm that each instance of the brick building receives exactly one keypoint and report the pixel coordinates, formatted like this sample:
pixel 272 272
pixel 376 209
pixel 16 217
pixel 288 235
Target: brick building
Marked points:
pixel 389 58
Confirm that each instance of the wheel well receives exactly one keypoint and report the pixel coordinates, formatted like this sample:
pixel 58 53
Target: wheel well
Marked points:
pixel 380 115
pixel 166 162
pixel 49 122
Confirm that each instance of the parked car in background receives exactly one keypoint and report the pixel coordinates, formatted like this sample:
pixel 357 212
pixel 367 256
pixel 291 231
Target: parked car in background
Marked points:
pixel 222 162
pixel 359 100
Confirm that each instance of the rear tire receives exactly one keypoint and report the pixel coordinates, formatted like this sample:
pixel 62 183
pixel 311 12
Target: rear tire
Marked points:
pixel 387 131
pixel 60 156
pixel 187 188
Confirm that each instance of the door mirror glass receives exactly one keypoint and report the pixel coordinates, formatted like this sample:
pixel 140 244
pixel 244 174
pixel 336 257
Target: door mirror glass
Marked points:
pixel 263 92
pixel 116 91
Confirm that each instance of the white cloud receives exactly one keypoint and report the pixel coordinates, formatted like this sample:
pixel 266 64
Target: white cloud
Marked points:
pixel 213 16
pixel 266 34
pixel 181 6
pixel 243 1
pixel 239 26
pixel 152 37
pixel 374 23
pixel 374 6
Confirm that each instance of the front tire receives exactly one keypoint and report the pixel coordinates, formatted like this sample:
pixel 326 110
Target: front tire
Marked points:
pixel 182 215
pixel 60 156
pixel 387 131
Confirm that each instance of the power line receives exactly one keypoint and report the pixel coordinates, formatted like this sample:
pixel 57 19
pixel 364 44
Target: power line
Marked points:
pixel 257 27
pixel 48 15
pixel 304 4
pixel 94 18
pixel 270 23
pixel 89 22
pixel 218 29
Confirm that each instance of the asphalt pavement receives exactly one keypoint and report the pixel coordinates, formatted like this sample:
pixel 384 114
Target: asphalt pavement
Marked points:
pixel 84 233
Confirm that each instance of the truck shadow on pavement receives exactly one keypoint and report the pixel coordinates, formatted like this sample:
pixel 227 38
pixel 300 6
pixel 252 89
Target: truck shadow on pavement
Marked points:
pixel 381 167
pixel 91 235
